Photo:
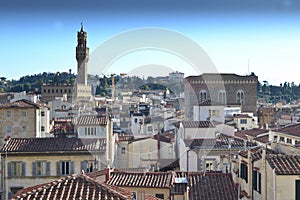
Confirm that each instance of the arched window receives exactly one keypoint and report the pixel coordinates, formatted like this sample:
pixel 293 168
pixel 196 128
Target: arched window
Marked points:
pixel 222 96
pixel 240 97
pixel 203 95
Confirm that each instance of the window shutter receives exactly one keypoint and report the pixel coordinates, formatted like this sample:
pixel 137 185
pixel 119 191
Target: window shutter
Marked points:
pixel 215 165
pixel 34 169
pixel 23 168
pixel 83 165
pixel 259 182
pixel 254 180
pixel 48 168
pixel 58 166
pixel 9 165
pixel 71 167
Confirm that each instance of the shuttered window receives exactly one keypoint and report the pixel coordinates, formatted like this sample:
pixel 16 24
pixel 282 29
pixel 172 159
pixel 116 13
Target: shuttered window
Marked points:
pixel 257 181
pixel 65 167
pixel 244 172
pixel 16 168
pixel 41 168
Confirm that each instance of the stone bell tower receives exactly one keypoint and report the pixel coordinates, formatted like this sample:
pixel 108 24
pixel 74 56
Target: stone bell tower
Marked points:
pixel 82 57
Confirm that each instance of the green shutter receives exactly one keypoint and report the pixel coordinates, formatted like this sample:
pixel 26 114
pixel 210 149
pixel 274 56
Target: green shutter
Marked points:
pixel 23 169
pixel 9 168
pixel 71 167
pixel 48 164
pixel 34 173
pixel 83 166
pixel 58 168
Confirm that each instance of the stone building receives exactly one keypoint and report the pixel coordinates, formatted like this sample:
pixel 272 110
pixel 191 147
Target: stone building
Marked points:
pixel 80 90
pixel 23 119
pixel 228 89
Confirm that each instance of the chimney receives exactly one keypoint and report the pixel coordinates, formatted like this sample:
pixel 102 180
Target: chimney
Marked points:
pixel 107 174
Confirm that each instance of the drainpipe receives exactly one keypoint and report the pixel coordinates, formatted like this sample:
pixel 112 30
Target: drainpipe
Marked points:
pixel 274 184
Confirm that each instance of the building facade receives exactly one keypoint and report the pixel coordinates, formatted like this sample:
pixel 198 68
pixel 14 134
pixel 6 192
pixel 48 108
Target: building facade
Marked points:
pixel 228 89
pixel 24 119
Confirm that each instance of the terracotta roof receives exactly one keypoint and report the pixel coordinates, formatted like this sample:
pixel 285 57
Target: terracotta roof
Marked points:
pixel 221 142
pixel 210 103
pixel 293 129
pixel 263 139
pixel 208 185
pixel 256 153
pixel 125 137
pixel 197 124
pixel 212 186
pixel 253 132
pixel 241 116
pixel 54 144
pixel 21 104
pixel 86 120
pixel 285 164
pixel 143 179
pixel 73 187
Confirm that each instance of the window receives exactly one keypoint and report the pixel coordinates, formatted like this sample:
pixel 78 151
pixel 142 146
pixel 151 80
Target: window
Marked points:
pixel 40 168
pixel 244 172
pixel 88 166
pixel 243 121
pixel 24 129
pixel 8 130
pixel 240 97
pixel 42 128
pixel 43 113
pixel 24 113
pixel 213 113
pixel 133 195
pixel 123 150
pixel 65 167
pixel 202 95
pixel 281 139
pixel 209 165
pixel 161 196
pixel 16 168
pixel 275 138
pixel 297 192
pixel 257 181
pixel 289 140
pixel 45 91
pixel 8 113
pixel 222 96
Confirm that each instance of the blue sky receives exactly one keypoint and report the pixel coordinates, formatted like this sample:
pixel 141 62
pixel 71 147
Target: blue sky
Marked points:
pixel 238 36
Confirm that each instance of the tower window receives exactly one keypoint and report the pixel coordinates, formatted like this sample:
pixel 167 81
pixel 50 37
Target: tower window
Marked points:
pixel 202 95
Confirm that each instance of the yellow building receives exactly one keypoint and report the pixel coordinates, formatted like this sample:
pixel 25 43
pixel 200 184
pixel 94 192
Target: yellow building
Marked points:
pixel 31 161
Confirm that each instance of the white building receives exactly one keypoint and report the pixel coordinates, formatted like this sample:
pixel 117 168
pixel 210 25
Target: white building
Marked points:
pixel 209 110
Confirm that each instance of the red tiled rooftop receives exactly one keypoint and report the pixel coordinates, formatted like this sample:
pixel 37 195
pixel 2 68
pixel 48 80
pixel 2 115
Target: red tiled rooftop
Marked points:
pixel 210 103
pixel 91 120
pixel 21 104
pixel 285 164
pixel 293 129
pixel 221 142
pixel 73 187
pixel 241 116
pixel 256 153
pixel 197 124
pixel 253 132
pixel 212 186
pixel 54 144
pixel 144 179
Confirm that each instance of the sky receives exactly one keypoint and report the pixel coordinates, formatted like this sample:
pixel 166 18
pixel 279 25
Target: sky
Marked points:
pixel 237 36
